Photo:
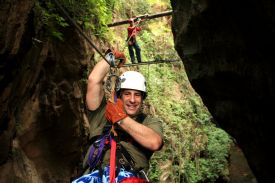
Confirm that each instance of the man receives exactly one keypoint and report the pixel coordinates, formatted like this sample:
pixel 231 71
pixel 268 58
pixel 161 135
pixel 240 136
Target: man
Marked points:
pixel 139 134
pixel 133 29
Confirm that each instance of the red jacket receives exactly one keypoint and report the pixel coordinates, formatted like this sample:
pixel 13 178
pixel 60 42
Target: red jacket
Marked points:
pixel 132 31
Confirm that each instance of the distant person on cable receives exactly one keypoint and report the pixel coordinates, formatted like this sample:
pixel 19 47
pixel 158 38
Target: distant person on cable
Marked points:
pixel 133 29
pixel 139 135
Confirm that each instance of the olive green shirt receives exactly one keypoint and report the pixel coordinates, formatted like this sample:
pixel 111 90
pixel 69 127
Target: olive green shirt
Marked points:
pixel 140 155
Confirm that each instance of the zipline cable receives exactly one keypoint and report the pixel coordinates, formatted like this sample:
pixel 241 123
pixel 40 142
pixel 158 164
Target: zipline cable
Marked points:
pixel 150 62
pixel 72 22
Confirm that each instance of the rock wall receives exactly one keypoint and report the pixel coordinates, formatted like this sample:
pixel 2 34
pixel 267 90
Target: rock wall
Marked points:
pixel 227 51
pixel 42 119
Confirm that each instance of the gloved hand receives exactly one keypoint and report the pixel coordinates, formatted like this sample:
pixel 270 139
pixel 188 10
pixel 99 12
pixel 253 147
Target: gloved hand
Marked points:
pixel 115 111
pixel 119 56
pixel 113 56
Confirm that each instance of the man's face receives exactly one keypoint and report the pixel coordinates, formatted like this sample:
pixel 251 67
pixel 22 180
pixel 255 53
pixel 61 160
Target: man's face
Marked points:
pixel 132 101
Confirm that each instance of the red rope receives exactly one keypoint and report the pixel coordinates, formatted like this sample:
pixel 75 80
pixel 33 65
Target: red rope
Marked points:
pixel 113 162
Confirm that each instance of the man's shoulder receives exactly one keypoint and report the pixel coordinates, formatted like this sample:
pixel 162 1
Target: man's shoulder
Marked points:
pixel 154 123
pixel 151 119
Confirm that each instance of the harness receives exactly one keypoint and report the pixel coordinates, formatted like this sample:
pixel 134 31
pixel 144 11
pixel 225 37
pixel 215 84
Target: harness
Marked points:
pixel 123 159
pixel 102 143
pixel 98 149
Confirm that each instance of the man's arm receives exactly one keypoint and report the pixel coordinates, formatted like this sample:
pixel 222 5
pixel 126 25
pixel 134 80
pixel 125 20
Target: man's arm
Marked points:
pixel 95 91
pixel 144 135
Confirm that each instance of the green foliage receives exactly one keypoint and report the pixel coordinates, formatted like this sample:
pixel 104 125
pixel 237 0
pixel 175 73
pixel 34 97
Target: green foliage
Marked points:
pixel 132 8
pixel 195 150
pixel 88 14
pixel 212 161
pixel 49 20
pixel 98 16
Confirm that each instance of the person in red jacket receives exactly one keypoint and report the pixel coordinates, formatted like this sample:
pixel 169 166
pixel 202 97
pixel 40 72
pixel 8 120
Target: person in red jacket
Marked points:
pixel 133 29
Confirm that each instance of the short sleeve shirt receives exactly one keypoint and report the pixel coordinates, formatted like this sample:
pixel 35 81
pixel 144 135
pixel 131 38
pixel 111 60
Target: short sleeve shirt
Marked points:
pixel 139 154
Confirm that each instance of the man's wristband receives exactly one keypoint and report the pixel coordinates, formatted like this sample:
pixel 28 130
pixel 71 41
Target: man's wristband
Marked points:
pixel 110 58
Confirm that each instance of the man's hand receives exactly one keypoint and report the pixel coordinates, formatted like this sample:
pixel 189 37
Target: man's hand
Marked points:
pixel 115 111
pixel 113 56
pixel 119 56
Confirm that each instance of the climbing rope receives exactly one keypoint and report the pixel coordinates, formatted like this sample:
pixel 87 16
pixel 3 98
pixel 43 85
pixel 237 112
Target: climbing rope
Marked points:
pixel 112 83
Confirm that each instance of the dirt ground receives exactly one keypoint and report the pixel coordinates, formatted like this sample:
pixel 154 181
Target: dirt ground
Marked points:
pixel 239 169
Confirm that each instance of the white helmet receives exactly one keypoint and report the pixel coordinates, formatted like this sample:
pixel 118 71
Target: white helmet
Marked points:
pixel 133 80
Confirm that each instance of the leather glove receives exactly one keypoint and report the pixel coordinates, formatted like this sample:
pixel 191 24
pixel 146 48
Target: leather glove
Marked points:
pixel 115 111
pixel 113 56
pixel 120 56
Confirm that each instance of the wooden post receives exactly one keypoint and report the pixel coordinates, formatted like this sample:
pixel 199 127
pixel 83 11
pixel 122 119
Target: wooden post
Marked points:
pixel 157 15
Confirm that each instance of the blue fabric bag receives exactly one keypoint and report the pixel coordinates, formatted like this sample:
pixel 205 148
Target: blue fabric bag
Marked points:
pixel 95 177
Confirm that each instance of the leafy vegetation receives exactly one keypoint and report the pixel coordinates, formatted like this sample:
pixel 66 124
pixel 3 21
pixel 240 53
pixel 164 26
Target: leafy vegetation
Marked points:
pixel 90 15
pixel 195 150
